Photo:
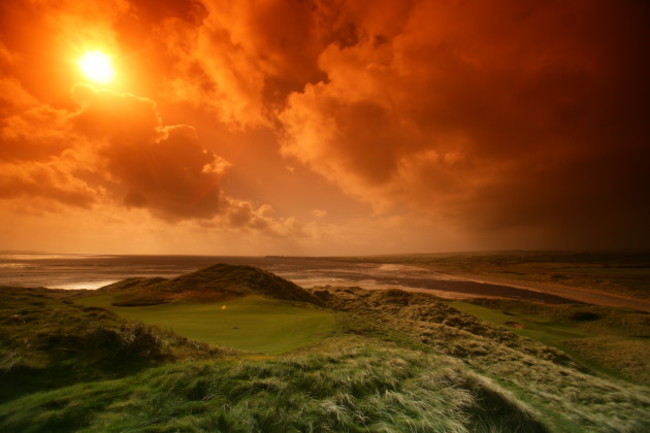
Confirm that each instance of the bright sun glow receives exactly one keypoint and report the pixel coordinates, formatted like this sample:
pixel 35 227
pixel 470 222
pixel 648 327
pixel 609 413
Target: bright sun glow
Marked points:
pixel 97 67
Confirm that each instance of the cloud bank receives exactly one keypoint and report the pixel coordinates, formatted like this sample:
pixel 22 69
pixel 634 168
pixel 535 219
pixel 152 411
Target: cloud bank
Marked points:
pixel 114 147
pixel 482 117
pixel 492 115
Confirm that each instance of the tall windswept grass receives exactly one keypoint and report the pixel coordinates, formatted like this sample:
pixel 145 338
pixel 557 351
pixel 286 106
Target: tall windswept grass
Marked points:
pixel 543 376
pixel 395 362
pixel 47 341
pixel 348 384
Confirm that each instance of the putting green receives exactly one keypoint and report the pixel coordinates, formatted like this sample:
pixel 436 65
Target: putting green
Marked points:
pixel 250 323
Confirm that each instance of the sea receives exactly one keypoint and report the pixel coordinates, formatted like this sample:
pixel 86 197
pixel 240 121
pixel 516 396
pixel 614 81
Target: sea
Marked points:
pixel 90 272
pixel 86 271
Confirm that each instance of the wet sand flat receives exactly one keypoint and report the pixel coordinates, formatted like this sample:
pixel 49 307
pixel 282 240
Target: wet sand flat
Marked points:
pixel 576 294
pixel 93 271
pixel 439 283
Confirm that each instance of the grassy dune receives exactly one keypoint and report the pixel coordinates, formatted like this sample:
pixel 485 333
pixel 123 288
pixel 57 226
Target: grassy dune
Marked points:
pixel 250 323
pixel 570 397
pixel 215 283
pixel 352 361
pixel 46 341
pixel 606 339
pixel 344 384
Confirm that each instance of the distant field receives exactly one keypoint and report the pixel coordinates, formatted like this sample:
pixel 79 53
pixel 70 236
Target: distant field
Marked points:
pixel 250 323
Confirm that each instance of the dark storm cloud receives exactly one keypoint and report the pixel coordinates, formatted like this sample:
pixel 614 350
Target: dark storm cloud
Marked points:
pixel 492 115
pixel 116 147
pixel 105 146
pixel 164 169
pixel 484 116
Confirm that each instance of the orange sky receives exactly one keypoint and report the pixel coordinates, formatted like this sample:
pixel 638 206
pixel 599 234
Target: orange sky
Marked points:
pixel 325 127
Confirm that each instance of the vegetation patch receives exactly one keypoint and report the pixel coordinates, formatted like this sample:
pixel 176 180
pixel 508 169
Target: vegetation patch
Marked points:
pixel 250 323
pixel 516 325
pixel 345 384
pixel 572 397
pixel 584 316
pixel 606 339
pixel 46 341
pixel 350 360
pixel 214 283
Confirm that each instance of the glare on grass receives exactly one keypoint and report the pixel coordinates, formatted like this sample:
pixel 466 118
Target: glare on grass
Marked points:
pixel 97 67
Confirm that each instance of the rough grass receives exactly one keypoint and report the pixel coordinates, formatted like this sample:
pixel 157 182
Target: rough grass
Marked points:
pixel 608 339
pixel 347 384
pixel 46 340
pixel 249 323
pixel 391 362
pixel 572 397
pixel 214 283
pixel 589 318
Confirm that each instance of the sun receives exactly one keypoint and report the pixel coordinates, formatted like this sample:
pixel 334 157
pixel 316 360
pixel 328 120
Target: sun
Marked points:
pixel 97 67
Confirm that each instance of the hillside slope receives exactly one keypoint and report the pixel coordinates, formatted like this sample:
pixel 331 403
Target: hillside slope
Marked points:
pixel 392 362
pixel 217 282
pixel 541 375
pixel 46 341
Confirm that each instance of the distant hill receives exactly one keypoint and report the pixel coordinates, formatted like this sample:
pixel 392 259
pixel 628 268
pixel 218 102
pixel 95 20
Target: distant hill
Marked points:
pixel 215 282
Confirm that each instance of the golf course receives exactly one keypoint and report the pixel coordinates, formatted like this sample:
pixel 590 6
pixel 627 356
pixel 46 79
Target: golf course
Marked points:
pixel 234 348
pixel 250 323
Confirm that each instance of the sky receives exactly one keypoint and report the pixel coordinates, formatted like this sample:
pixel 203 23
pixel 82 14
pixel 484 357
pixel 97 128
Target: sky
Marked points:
pixel 313 127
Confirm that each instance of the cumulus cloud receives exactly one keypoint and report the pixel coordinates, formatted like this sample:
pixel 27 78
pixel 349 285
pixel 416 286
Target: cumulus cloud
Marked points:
pixel 95 147
pixel 528 116
pixel 483 116
pixel 318 213
pixel 116 147
pixel 243 58
pixel 162 168
pixel 44 180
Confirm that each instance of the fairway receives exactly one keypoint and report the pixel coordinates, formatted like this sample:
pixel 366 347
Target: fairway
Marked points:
pixel 250 323
pixel 535 327
pixel 545 330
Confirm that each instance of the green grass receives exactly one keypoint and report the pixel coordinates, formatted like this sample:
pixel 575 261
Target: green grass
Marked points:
pixel 47 341
pixel 250 323
pixel 345 384
pixel 615 342
pixel 377 361
pixel 536 327
pixel 569 397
